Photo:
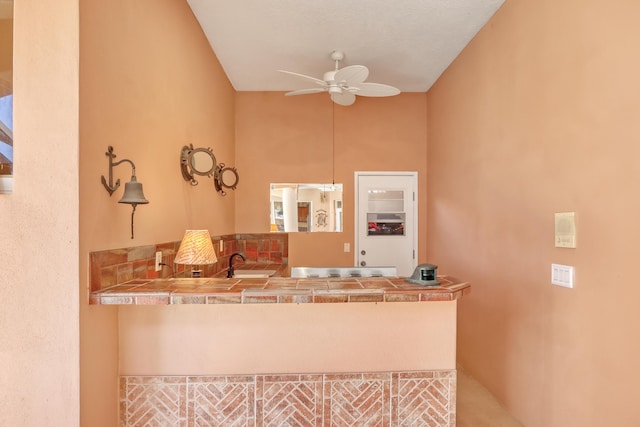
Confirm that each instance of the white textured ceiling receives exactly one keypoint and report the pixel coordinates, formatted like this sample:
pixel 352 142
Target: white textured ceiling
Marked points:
pixel 404 43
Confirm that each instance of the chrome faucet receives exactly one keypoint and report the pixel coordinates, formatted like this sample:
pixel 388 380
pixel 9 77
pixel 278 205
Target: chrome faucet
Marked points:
pixel 230 269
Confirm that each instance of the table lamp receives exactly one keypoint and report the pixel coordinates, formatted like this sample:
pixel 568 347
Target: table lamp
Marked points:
pixel 196 249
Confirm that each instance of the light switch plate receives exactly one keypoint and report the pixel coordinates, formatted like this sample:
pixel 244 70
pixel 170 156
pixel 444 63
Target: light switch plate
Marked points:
pixel 158 260
pixel 562 275
pixel 565 230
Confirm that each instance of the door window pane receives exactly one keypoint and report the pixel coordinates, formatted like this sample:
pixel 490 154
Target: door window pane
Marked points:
pixel 385 201
pixel 386 224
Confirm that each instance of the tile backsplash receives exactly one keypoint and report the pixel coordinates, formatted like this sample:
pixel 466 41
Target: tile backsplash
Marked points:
pixel 112 266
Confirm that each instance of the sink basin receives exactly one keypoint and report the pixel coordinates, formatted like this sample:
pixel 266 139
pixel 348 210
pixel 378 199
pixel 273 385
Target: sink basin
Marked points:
pixel 251 274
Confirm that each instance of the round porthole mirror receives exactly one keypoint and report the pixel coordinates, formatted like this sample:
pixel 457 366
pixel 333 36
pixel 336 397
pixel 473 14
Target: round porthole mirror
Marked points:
pixel 202 162
pixel 226 177
pixel 198 161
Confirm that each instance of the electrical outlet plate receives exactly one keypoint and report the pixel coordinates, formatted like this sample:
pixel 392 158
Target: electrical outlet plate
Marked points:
pixel 562 275
pixel 158 261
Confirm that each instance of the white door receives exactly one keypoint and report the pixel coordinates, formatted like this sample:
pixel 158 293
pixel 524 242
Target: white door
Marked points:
pixel 386 209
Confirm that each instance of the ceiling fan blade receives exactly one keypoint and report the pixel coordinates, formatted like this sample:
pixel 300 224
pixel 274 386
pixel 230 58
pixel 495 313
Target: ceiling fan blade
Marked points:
pixel 306 91
pixel 345 98
pixel 352 75
pixel 305 78
pixel 374 89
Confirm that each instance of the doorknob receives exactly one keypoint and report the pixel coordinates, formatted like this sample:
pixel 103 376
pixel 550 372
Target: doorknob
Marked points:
pixel 363 252
pixel 363 264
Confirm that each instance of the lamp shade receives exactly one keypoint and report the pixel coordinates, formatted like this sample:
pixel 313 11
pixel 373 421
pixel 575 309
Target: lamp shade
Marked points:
pixel 196 249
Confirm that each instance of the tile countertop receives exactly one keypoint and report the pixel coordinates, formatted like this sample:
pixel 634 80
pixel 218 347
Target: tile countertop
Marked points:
pixel 277 290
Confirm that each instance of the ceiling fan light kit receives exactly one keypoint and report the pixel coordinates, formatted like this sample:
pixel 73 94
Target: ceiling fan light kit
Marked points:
pixel 343 84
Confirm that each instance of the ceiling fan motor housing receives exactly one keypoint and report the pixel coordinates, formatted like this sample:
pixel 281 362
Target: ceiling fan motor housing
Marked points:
pixel 332 85
pixel 329 76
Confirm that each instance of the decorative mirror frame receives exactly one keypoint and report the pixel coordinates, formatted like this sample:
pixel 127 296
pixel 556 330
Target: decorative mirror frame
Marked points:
pixel 217 171
pixel 218 178
pixel 188 166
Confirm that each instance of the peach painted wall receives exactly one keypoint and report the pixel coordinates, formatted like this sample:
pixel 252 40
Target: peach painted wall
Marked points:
pixel 149 84
pixel 287 338
pixel 282 140
pixel 289 139
pixel 540 115
pixel 39 357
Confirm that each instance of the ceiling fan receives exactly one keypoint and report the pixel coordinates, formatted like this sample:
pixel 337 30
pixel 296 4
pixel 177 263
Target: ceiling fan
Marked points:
pixel 343 84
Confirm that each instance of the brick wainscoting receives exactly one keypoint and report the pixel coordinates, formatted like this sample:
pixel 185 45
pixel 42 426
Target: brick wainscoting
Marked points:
pixel 424 398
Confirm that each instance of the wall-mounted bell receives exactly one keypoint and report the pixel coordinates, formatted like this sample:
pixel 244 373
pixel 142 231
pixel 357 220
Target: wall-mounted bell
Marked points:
pixel 133 194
